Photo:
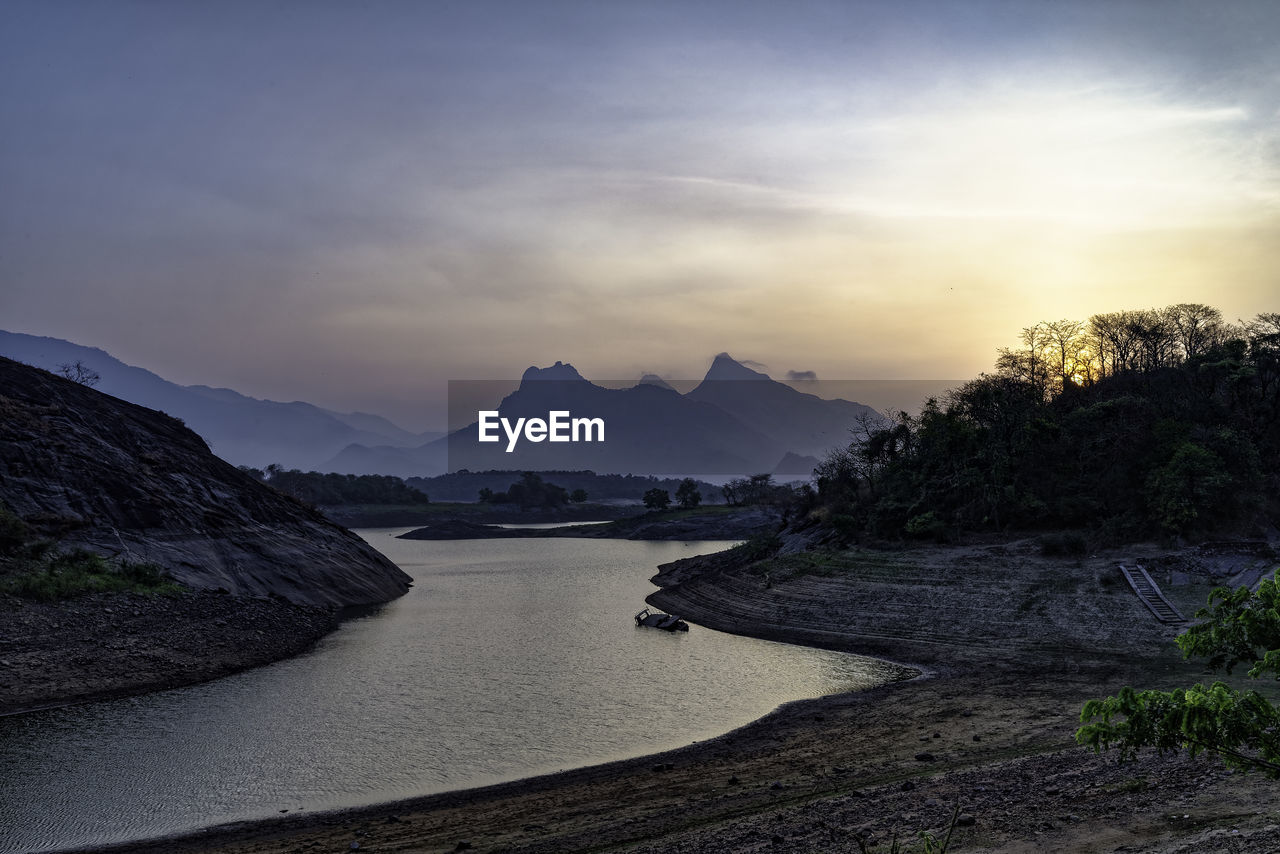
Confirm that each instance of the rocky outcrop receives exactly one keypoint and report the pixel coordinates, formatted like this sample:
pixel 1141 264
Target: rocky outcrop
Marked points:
pixel 123 480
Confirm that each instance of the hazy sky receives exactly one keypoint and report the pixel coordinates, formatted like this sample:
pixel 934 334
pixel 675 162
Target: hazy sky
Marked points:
pixel 351 203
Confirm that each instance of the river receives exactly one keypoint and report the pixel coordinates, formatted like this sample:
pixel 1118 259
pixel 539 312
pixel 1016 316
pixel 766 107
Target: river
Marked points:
pixel 508 658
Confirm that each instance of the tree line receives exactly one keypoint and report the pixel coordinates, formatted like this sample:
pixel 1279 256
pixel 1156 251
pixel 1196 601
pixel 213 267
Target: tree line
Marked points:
pixel 1160 421
pixel 332 489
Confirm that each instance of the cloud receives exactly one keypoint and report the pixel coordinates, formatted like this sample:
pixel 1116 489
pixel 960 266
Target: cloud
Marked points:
pixel 802 376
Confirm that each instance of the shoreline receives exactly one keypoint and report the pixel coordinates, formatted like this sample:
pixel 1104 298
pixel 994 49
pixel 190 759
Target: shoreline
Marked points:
pixel 814 774
pixel 88 649
pixel 584 775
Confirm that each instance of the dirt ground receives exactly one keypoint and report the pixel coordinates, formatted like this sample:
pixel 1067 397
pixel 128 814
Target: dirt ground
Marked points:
pixel 986 731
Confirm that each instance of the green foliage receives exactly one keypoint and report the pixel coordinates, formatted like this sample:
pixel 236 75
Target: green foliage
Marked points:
pixel 1241 727
pixel 1240 627
pixel 687 494
pixel 65 575
pixel 1183 489
pixel 926 525
pixel 757 548
pixel 657 499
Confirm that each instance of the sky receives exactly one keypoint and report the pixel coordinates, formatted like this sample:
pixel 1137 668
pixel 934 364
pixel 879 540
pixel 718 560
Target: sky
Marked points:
pixel 353 203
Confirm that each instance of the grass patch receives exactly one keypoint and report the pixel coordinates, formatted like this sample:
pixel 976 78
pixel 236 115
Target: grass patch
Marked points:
pixel 56 576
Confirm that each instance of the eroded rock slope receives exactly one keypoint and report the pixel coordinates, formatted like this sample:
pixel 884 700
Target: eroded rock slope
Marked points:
pixel 120 479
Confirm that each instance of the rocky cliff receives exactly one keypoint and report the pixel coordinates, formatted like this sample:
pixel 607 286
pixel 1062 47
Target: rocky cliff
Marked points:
pixel 120 479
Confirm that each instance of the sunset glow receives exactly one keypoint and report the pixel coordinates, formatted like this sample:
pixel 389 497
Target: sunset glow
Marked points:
pixel 392 197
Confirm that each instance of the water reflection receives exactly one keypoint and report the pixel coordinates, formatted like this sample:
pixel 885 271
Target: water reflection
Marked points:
pixel 508 658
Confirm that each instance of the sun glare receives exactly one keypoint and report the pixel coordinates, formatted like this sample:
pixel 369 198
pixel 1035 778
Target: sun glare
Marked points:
pixel 1084 159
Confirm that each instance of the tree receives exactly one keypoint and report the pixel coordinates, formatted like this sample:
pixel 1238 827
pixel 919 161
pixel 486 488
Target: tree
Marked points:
pixel 79 372
pixel 532 491
pixel 578 496
pixel 1241 727
pixel 687 494
pixel 657 499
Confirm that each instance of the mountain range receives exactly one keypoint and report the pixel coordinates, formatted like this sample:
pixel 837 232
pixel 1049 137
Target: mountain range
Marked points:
pixel 736 421
pixel 240 429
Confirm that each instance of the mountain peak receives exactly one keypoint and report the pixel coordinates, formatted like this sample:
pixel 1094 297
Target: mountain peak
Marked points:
pixel 561 371
pixel 655 380
pixel 726 368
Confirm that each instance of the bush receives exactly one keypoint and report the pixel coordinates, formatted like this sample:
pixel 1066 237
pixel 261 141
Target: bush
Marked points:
pixel 758 547
pixel 926 526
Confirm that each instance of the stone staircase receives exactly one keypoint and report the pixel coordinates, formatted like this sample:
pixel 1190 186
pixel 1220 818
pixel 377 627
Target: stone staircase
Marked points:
pixel 1150 594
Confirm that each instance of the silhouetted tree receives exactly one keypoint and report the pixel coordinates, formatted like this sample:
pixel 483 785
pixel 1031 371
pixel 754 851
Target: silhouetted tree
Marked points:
pixel 79 372
pixel 657 499
pixel 1140 422
pixel 687 494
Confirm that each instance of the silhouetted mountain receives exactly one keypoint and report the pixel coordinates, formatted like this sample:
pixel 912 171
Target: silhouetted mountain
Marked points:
pixel 649 430
pixel 801 423
pixel 655 380
pixel 794 464
pixel 425 460
pixel 240 429
pixel 736 422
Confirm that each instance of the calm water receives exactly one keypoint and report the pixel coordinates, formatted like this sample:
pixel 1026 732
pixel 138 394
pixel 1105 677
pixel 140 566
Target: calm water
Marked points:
pixel 508 658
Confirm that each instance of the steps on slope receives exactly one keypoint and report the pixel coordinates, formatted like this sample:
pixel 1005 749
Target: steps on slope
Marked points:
pixel 1150 594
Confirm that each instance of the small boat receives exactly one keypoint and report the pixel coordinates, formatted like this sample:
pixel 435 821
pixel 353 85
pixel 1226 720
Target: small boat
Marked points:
pixel 666 622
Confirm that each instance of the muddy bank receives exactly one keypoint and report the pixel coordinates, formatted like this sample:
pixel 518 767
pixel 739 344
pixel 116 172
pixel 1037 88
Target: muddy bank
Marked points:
pixel 113 645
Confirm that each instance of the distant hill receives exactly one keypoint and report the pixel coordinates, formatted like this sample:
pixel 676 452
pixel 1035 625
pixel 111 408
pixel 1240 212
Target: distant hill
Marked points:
pixel 123 480
pixel 803 424
pixel 735 422
pixel 650 430
pixel 240 429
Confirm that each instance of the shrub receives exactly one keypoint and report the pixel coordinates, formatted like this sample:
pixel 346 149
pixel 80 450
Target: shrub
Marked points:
pixel 926 526
pixel 65 575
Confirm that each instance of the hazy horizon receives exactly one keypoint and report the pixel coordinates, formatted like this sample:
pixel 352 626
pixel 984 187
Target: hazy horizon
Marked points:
pixel 352 205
